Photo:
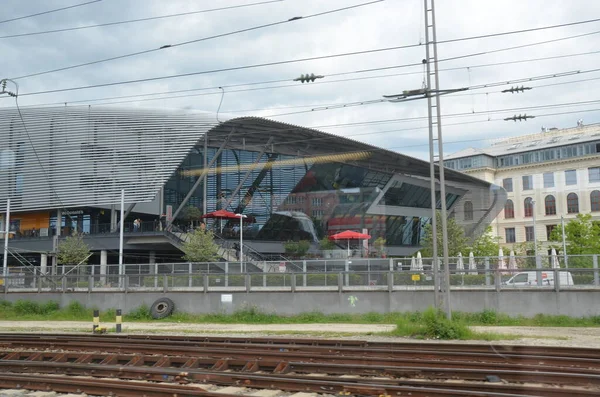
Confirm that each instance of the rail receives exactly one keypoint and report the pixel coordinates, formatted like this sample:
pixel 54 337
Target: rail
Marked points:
pixel 171 365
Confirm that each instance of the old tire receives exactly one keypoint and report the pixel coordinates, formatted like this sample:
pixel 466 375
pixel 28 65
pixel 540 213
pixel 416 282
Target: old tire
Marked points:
pixel 162 308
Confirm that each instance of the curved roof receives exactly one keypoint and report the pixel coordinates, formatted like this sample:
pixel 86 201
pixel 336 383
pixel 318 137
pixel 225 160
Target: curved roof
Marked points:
pixel 77 156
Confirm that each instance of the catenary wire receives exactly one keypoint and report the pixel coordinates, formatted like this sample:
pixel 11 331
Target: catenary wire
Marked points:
pixel 139 20
pixel 285 62
pixel 296 85
pixel 49 11
pixel 167 46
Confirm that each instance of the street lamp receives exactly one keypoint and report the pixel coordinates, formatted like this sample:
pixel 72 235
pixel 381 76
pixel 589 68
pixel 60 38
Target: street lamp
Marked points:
pixel 241 216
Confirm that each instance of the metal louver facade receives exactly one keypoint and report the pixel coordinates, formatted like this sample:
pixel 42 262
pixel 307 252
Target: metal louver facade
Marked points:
pixel 74 156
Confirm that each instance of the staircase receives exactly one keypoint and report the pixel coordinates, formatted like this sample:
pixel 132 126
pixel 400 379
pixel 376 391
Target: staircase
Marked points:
pixel 225 251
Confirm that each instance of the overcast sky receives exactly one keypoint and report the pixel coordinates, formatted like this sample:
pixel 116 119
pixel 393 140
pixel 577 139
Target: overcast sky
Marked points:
pixel 386 24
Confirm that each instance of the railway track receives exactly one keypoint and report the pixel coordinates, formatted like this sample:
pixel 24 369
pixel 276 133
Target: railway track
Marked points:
pixel 292 365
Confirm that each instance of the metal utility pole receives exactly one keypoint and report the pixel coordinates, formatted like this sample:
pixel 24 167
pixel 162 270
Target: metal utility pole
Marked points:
pixel 564 241
pixel 432 92
pixel 6 232
pixel 433 102
pixel 436 265
pixel 121 272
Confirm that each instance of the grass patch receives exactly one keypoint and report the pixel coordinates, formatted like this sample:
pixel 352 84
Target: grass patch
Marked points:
pixel 416 324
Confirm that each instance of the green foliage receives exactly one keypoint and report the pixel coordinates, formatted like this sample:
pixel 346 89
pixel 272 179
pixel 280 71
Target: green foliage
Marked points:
pixel 296 248
pixel 486 244
pixel 433 324
pixel 457 242
pixel 23 307
pixel 379 245
pixel 142 313
pixel 190 214
pixel 76 309
pixel 72 251
pixel 200 247
pixel 582 236
pixel 326 244
pixel 4 305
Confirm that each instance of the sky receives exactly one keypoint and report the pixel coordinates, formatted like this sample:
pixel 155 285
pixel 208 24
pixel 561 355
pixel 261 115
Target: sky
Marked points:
pixel 472 118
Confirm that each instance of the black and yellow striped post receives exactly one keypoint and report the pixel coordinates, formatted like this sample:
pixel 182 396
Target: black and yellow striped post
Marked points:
pixel 96 321
pixel 119 321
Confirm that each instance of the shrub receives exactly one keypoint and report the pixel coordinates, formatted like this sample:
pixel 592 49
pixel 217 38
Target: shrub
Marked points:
pixel 23 307
pixel 76 309
pixel 488 317
pixel 437 326
pixel 141 313
pixel 433 324
pixel 4 305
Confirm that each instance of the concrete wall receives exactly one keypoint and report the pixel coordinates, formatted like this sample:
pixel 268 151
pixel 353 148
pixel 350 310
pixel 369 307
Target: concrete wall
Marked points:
pixel 519 302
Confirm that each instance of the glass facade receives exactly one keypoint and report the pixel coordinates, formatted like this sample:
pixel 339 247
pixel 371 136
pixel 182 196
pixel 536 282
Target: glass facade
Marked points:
pixel 291 198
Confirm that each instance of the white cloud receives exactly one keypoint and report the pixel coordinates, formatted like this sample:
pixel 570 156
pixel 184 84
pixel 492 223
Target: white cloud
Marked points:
pixel 387 24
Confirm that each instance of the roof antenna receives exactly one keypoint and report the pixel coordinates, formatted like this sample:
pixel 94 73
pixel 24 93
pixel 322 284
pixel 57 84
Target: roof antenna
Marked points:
pixel 220 103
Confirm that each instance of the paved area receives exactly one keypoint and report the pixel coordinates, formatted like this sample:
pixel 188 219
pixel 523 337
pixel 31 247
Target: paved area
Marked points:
pixel 542 336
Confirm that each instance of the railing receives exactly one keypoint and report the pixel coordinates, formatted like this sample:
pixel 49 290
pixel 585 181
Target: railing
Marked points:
pixel 197 279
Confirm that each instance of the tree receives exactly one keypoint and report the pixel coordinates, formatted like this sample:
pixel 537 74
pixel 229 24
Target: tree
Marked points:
pixel 486 244
pixel 326 244
pixel 582 235
pixel 200 247
pixel 457 242
pixel 190 214
pixel 379 245
pixel 296 248
pixel 72 251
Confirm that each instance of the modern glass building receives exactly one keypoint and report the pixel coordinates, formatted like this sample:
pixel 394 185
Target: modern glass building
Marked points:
pixel 68 166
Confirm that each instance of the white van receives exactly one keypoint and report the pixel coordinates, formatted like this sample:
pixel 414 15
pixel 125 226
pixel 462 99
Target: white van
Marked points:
pixel 530 278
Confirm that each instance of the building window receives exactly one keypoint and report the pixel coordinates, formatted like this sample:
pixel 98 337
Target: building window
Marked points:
pixel 549 229
pixel 509 209
pixel 594 174
pixel 468 210
pixel 291 200
pixel 317 201
pixel 301 200
pixel 510 235
pixel 595 200
pixel 507 184
pixel 549 179
pixel 527 182
pixel 550 203
pixel 528 206
pixel 572 203
pixel 529 235
pixel 318 214
pixel 571 177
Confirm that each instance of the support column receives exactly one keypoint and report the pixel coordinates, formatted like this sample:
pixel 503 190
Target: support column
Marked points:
pixel 153 267
pixel 113 218
pixel 59 222
pixel 103 261
pixel 43 263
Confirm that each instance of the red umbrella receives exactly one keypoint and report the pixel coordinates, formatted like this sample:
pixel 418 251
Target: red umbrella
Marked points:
pixel 349 235
pixel 220 214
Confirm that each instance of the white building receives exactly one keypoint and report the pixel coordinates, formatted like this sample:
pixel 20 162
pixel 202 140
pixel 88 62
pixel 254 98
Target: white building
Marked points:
pixel 553 173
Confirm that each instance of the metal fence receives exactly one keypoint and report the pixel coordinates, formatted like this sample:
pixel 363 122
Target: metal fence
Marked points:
pixel 493 279
pixel 328 265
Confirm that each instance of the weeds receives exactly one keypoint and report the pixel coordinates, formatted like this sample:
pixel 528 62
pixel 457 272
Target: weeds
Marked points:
pixel 425 324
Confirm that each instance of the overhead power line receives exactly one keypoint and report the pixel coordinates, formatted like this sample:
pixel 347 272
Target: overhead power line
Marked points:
pixel 138 20
pixel 49 11
pixel 290 61
pixel 166 46
pixel 294 84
